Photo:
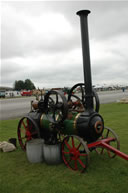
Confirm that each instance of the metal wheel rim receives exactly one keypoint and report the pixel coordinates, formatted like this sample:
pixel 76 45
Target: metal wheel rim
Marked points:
pixel 83 96
pixel 26 131
pixel 72 155
pixel 62 112
pixel 100 150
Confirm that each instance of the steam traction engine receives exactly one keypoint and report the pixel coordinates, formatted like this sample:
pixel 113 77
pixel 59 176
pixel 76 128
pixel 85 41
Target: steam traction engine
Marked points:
pixel 73 121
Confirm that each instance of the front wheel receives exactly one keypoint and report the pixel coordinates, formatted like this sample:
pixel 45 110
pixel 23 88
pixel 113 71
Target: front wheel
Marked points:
pixel 75 153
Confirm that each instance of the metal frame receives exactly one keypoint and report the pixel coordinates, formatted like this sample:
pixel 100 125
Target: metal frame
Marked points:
pixel 104 143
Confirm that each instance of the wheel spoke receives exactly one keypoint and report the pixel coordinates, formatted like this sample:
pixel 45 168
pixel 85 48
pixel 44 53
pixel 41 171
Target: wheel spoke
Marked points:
pixel 65 152
pixel 107 134
pixel 81 163
pixel 76 168
pixel 109 153
pixel 78 146
pixel 22 130
pixel 68 162
pixel 68 146
pixel 73 142
pixel 102 150
pixel 24 124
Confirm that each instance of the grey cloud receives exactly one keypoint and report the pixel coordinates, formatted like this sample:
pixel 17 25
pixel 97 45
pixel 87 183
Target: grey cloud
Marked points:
pixel 46 60
pixel 109 72
pixel 19 37
pixel 9 67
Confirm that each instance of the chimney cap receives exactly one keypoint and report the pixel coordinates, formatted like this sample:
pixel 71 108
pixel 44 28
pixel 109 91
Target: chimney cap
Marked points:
pixel 83 12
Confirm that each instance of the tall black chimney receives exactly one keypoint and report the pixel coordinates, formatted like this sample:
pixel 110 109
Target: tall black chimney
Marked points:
pixel 86 58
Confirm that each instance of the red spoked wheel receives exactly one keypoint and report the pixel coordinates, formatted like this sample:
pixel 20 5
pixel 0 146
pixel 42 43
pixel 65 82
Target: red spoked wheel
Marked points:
pixel 27 130
pixel 114 143
pixel 75 153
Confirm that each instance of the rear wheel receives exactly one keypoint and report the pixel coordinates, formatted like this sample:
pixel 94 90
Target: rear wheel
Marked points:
pixel 114 143
pixel 27 130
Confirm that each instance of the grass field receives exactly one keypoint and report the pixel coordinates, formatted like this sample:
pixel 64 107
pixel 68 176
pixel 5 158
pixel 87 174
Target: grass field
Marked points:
pixel 104 175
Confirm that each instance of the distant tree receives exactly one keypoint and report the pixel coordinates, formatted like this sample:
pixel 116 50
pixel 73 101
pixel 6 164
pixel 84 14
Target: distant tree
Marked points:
pixel 29 85
pixel 21 85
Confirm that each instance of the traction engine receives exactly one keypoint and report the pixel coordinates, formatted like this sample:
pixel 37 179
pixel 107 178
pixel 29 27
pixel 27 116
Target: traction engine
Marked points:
pixel 73 121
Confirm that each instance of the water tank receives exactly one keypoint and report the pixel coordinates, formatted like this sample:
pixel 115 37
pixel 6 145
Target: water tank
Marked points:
pixel 52 154
pixel 34 150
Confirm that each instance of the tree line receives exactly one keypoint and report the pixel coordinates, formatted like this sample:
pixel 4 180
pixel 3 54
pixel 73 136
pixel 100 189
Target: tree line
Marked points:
pixel 24 85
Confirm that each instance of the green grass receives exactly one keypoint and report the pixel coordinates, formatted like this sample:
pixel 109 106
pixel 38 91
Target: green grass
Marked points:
pixel 104 175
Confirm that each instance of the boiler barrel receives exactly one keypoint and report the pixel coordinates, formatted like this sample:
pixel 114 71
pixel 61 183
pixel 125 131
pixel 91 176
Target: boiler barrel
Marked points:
pixel 88 127
pixel 68 127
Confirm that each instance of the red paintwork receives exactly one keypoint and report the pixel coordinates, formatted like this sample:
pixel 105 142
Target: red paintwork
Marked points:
pixel 104 143
pixel 26 93
pixel 25 133
pixel 74 155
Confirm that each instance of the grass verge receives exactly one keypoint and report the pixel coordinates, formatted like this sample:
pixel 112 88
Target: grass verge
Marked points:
pixel 104 175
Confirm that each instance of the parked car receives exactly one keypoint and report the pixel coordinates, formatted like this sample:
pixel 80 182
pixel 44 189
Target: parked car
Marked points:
pixel 2 94
pixel 26 93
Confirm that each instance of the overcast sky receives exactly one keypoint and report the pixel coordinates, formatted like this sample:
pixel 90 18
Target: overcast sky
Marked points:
pixel 42 41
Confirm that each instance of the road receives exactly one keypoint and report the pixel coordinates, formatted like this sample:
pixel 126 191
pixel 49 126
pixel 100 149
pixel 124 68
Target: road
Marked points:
pixel 18 107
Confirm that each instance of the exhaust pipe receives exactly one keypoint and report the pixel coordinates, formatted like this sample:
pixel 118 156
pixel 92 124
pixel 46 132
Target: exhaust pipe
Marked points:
pixel 86 58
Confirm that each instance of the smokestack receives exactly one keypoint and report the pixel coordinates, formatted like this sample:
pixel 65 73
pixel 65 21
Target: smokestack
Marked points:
pixel 86 58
